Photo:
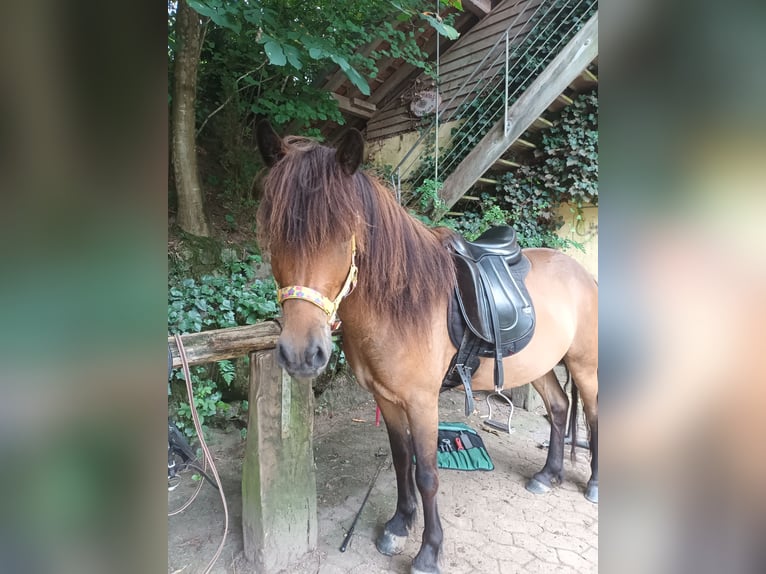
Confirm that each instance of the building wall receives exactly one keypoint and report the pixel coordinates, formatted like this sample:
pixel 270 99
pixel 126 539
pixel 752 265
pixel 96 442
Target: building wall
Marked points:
pixel 584 232
pixel 390 151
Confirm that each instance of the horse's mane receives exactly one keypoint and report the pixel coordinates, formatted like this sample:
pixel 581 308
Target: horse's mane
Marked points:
pixel 308 202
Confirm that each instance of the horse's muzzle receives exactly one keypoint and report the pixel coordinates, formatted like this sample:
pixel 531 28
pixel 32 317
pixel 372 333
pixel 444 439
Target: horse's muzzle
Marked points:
pixel 303 361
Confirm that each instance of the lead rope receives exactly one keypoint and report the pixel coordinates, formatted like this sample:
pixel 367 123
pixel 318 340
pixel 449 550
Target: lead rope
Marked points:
pixel 208 457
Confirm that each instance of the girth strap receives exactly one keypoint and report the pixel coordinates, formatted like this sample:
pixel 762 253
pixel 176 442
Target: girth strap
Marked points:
pixel 465 362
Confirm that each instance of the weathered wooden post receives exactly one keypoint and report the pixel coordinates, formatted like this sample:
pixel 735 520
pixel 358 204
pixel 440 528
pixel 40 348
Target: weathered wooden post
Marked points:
pixel 279 515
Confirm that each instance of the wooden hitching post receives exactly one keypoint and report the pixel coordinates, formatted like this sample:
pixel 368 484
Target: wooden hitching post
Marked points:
pixel 279 511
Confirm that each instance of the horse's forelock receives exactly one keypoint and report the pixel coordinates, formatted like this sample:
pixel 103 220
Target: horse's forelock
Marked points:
pixel 308 202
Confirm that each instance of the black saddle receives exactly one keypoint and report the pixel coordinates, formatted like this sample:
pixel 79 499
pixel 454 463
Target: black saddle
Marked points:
pixel 491 313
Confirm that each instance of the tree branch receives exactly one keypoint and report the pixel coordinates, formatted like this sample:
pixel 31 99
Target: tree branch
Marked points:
pixel 223 105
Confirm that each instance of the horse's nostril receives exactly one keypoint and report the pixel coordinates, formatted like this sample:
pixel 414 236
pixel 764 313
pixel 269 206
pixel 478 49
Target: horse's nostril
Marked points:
pixel 317 357
pixel 281 355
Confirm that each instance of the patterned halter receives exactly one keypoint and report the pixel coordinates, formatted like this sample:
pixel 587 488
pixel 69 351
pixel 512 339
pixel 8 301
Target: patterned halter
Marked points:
pixel 329 306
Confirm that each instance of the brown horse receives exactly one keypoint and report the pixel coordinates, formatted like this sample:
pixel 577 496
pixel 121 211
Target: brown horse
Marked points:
pixel 319 218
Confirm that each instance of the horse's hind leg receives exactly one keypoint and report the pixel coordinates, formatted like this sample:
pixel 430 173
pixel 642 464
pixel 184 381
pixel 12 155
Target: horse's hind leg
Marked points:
pixel 591 490
pixel 557 404
pixel 394 536
pixel 586 379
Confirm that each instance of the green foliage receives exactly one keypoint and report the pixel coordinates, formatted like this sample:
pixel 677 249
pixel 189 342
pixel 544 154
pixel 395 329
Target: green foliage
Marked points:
pixel 268 58
pixel 570 151
pixel 428 196
pixel 338 357
pixel 207 399
pixel 565 171
pixel 230 297
pixel 220 301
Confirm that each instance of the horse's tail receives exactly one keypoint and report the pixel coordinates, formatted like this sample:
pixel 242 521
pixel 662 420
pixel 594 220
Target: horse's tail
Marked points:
pixel 573 417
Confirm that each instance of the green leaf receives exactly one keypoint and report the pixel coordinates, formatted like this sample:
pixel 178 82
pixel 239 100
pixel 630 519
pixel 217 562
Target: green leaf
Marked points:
pixel 202 9
pixel 341 61
pixel 454 3
pixel 317 53
pixel 442 28
pixel 217 14
pixel 293 56
pixel 253 16
pixel 358 80
pixel 250 81
pixel 275 53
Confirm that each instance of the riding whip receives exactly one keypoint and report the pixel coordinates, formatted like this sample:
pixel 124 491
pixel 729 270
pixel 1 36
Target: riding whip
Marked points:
pixel 350 532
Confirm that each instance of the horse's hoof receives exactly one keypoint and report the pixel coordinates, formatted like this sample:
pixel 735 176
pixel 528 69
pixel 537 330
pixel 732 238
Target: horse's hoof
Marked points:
pixel 414 570
pixel 536 487
pixel 390 544
pixel 591 493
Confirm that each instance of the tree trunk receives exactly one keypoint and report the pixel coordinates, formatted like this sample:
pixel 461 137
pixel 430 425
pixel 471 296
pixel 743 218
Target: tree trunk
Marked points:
pixel 191 214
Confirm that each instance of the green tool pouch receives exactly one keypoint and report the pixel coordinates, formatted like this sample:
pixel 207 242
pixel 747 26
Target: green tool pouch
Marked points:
pixel 460 448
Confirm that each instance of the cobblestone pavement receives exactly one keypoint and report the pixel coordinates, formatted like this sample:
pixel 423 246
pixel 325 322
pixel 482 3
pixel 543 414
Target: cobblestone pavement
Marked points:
pixel 492 525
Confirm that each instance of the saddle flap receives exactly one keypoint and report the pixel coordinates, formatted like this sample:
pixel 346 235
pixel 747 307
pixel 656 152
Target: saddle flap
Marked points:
pixel 491 278
pixel 491 314
pixel 491 293
pixel 472 298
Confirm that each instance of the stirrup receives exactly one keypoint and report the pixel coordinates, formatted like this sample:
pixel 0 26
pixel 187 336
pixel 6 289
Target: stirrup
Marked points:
pixel 499 424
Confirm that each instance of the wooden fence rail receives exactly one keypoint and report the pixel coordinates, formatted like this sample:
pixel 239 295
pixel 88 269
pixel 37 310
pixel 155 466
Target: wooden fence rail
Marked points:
pixel 211 346
pixel 279 517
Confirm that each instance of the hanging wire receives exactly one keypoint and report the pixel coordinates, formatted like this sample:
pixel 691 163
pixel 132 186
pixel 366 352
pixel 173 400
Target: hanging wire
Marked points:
pixel 436 119
pixel 401 167
pixel 488 76
pixel 493 107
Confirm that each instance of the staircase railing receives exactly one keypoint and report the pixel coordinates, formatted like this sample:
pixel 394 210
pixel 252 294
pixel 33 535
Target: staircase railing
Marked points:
pixel 517 57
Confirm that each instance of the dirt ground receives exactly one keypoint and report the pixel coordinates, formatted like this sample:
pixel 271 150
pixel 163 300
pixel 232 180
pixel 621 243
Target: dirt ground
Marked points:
pixel 492 525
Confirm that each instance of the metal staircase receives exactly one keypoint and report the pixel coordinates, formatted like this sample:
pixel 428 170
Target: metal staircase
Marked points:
pixel 526 69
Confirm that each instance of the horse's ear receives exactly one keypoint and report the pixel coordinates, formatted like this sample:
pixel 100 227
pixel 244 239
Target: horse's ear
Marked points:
pixel 350 151
pixel 269 143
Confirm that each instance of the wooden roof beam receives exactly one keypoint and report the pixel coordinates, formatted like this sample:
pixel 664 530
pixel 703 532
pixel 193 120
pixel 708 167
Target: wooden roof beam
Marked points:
pixel 589 76
pixel 479 8
pixel 506 163
pixel 355 106
pixel 399 79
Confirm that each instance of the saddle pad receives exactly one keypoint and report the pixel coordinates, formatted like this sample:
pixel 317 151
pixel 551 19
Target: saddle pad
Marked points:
pixel 474 458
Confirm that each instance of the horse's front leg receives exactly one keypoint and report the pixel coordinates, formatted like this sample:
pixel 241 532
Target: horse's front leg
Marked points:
pixel 394 535
pixel 424 423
